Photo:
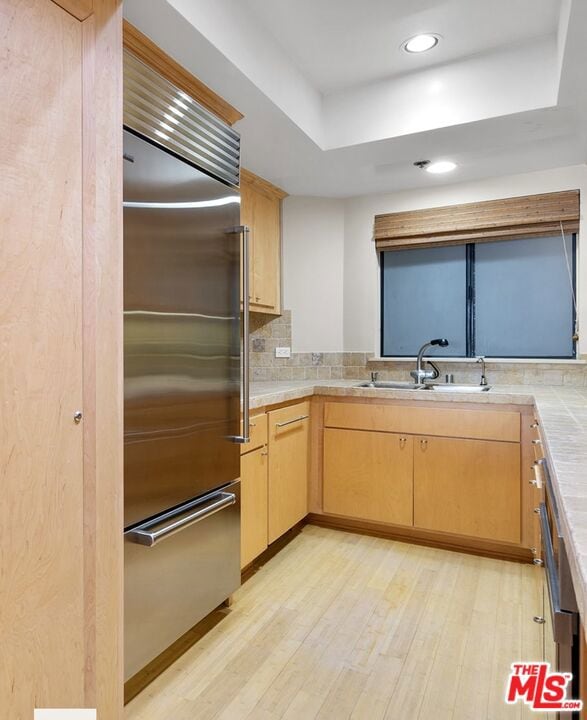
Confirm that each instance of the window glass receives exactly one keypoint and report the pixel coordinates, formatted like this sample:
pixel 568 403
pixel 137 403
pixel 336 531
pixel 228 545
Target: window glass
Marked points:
pixel 424 297
pixel 511 298
pixel 523 299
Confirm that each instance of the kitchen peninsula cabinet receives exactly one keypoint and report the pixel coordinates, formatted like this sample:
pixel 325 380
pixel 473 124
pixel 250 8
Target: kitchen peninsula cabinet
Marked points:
pixel 261 212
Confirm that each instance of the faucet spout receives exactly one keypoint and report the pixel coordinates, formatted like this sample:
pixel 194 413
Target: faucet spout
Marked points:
pixel 421 375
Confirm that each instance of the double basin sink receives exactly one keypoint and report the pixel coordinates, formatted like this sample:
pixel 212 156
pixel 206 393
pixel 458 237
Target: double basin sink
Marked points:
pixel 440 387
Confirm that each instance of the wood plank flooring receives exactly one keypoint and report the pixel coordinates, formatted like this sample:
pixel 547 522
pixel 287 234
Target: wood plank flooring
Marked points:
pixel 341 626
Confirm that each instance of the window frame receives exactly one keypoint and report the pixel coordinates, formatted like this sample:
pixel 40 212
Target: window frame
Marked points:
pixel 470 311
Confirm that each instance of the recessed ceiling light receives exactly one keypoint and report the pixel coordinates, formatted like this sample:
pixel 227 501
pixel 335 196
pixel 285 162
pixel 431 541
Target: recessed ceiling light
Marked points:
pixel 442 166
pixel 421 43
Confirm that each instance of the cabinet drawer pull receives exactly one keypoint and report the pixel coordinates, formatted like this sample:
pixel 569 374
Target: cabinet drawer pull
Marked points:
pixel 538 562
pixel 539 619
pixel 537 482
pixel 534 425
pixel 290 422
pixel 536 442
pixel 252 424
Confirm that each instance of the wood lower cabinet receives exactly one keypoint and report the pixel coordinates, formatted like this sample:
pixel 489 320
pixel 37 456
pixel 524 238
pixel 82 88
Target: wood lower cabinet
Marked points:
pixel 368 475
pixel 468 487
pixel 289 439
pixel 254 468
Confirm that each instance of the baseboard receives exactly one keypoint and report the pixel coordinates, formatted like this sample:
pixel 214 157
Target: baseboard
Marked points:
pixel 415 536
pixel 249 570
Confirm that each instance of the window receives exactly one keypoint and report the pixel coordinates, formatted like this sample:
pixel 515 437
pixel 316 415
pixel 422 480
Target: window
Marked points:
pixel 512 299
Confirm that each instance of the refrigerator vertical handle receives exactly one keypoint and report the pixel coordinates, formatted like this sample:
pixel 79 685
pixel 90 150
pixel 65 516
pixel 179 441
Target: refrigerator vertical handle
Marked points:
pixel 245 437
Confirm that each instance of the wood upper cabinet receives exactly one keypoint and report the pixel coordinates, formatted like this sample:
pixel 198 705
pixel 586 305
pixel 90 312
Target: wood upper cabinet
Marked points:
pixel 261 212
pixel 368 475
pixel 468 487
pixel 289 438
pixel 254 468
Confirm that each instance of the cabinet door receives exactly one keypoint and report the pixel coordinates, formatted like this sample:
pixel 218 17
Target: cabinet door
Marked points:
pixel 253 505
pixel 42 622
pixel 266 251
pixel 468 487
pixel 368 475
pixel 289 433
pixel 262 213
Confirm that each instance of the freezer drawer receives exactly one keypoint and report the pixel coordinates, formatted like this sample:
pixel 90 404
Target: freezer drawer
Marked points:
pixel 177 570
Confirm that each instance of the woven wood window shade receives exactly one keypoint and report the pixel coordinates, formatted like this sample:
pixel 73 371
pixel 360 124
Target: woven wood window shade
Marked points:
pixel 520 217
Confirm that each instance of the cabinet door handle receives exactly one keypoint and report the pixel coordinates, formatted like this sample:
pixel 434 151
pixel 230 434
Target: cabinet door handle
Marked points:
pixel 536 442
pixel 534 425
pixel 290 422
pixel 402 442
pixel 423 444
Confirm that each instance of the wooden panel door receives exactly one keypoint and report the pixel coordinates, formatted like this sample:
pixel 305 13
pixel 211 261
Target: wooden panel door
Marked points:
pixel 289 435
pixel 261 211
pixel 468 487
pixel 61 353
pixel 266 251
pixel 368 475
pixel 253 504
pixel 41 458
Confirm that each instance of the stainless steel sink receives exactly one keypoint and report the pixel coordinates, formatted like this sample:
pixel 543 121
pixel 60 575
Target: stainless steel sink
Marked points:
pixel 391 385
pixel 454 388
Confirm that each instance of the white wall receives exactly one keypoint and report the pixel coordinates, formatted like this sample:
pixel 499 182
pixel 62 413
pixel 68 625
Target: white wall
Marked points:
pixel 361 271
pixel 313 281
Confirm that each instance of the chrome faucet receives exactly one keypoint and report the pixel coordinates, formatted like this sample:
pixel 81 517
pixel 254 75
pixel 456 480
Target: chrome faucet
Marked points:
pixel 481 359
pixel 420 375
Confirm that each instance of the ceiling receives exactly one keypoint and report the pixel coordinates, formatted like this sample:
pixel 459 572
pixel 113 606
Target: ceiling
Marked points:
pixel 333 107
pixel 341 43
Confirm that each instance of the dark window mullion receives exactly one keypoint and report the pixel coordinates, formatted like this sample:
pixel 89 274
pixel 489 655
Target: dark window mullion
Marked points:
pixel 470 314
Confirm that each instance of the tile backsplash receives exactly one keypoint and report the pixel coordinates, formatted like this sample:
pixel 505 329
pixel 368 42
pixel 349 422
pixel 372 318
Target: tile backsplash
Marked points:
pixel 269 332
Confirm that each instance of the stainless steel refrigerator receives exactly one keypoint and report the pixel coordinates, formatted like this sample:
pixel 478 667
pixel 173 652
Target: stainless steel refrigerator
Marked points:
pixel 182 364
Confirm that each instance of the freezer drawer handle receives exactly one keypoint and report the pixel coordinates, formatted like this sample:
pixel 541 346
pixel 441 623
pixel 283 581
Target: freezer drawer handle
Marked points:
pixel 143 536
pixel 290 422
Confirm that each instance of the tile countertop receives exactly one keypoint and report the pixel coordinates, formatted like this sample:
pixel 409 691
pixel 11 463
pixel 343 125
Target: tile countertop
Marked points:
pixel 562 413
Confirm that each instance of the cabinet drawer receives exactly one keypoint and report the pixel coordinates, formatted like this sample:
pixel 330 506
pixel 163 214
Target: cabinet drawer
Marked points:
pixel 474 424
pixel 257 432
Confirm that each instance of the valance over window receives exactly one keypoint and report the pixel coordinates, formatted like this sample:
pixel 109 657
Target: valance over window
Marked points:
pixel 519 217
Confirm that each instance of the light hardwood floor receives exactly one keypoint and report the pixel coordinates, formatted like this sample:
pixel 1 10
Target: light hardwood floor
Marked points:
pixel 341 626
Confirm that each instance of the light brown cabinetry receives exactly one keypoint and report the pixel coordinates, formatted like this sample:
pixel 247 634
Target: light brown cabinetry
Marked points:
pixel 253 504
pixel 368 475
pixel 61 356
pixel 431 470
pixel 467 487
pixel 289 436
pixel 261 212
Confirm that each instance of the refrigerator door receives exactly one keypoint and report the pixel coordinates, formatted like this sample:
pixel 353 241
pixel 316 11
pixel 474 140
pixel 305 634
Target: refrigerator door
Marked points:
pixel 181 331
pixel 177 569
